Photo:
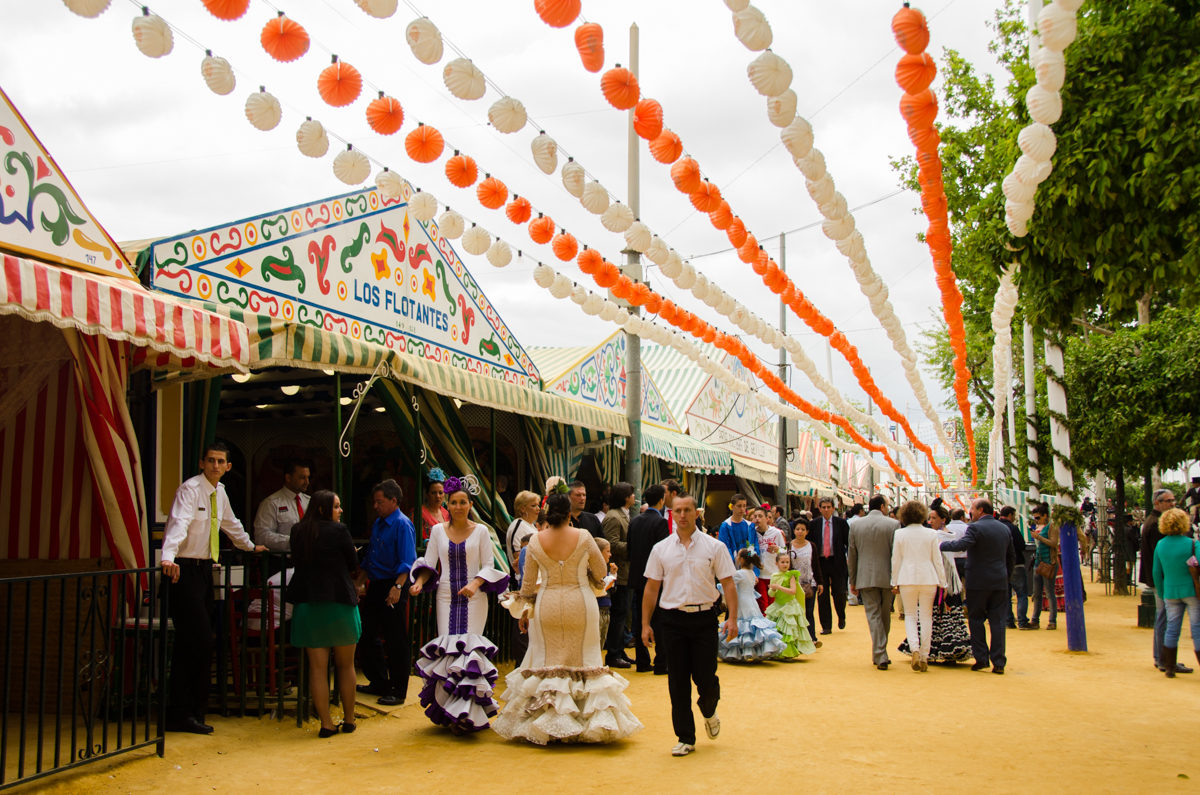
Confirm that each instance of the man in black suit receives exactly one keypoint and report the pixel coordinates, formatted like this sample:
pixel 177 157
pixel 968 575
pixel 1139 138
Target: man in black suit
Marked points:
pixel 645 530
pixel 990 562
pixel 830 537
pixel 580 517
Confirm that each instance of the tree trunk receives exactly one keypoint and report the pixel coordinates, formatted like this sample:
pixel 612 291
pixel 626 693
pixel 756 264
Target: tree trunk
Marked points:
pixel 1120 568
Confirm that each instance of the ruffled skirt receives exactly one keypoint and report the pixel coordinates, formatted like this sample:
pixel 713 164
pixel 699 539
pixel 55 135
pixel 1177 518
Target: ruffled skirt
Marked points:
pixel 459 677
pixel 757 639
pixel 565 705
pixel 792 624
pixel 950 641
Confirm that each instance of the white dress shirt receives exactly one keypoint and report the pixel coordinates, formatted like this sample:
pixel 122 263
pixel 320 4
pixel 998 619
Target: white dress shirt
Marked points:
pixel 689 573
pixel 957 529
pixel 187 533
pixel 276 517
pixel 773 535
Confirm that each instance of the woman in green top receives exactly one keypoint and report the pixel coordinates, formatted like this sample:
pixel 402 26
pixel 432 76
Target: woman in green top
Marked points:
pixel 1173 582
pixel 1046 538
pixel 787 611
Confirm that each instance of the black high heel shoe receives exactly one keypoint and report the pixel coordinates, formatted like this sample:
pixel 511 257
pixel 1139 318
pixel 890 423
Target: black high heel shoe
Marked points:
pixel 349 727
pixel 327 732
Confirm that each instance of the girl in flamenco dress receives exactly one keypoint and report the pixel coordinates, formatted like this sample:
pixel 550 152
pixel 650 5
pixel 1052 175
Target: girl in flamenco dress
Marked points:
pixel 457 665
pixel 758 638
pixel 787 611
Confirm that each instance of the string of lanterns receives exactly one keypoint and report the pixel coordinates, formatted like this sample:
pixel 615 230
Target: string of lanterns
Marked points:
pixel 918 106
pixel 1002 313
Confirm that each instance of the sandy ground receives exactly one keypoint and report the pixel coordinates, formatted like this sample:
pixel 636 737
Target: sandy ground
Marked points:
pixel 1102 721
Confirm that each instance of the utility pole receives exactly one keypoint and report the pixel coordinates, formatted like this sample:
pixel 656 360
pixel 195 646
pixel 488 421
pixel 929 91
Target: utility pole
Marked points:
pixel 633 269
pixel 781 486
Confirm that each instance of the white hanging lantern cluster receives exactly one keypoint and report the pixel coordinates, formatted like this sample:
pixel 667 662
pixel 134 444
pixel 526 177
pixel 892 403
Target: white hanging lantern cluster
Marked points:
pixel 425 40
pixel 311 139
pixel 263 110
pixel 573 178
pixel 464 80
pixel 752 29
pixel 769 74
pixel 152 35
pixel 1002 313
pixel 507 115
pixel 617 218
pixel 423 206
pixel 594 198
pixel 451 225
pixel 476 240
pixel 545 152
pixel 88 8
pixel 217 74
pixel 390 185
pixel 499 254
pixel 351 166
pixel 1056 27
pixel 380 9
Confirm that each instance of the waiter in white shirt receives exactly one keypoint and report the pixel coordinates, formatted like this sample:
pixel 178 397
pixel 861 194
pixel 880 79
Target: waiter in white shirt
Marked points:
pixel 278 513
pixel 685 567
pixel 191 542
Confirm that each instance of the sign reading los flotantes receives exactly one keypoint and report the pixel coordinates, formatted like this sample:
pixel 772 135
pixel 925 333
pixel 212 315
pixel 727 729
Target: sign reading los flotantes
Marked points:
pixel 358 265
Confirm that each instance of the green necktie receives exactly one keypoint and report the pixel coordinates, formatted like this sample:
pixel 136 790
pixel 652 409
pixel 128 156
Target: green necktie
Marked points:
pixel 214 526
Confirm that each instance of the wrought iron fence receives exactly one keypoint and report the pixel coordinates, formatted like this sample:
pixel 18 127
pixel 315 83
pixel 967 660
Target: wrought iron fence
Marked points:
pixel 84 670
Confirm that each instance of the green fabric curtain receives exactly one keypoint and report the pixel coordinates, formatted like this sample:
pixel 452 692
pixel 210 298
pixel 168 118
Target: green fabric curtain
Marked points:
pixel 201 404
pixel 537 464
pixel 563 450
pixel 651 472
pixel 696 484
pixel 610 460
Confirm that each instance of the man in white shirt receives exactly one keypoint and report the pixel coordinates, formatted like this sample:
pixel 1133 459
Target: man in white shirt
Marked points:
pixel 770 541
pixel 191 542
pixel 683 569
pixel 278 513
pixel 957 528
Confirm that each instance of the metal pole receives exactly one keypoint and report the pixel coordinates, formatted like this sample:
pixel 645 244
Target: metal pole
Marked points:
pixel 781 487
pixel 633 269
pixel 337 429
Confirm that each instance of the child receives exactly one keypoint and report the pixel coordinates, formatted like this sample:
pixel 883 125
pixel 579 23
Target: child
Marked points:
pixel 757 637
pixel 603 600
pixel 787 611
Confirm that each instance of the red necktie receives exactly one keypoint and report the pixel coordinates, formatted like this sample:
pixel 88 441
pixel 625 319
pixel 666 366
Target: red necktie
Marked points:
pixel 828 551
pixel 299 508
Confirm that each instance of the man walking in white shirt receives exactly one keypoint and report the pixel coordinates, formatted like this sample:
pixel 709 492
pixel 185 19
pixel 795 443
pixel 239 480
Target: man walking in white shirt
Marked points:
pixel 191 543
pixel 683 569
pixel 278 513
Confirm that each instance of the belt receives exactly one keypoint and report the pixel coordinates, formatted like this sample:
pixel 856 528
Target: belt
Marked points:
pixel 695 608
pixel 193 561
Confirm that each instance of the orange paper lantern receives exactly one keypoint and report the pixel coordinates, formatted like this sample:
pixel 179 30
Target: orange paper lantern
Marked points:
pixel 589 261
pixel 668 311
pixel 648 119
pixel 339 83
pixel 910 29
pixel 518 210
pixel 424 144
pixel 654 303
pixel 919 109
pixel 492 193
pixel 620 88
pixel 640 294
pixel 914 73
pixel 284 39
pixel 761 264
pixel 736 232
pixel 557 13
pixel 565 246
pixel 925 139
pixel 227 9
pixel 748 251
pixel 623 288
pixel 607 275
pixel 666 148
pixel 721 217
pixel 541 229
pixel 385 115
pixel 707 199
pixel 461 170
pixel 686 175
pixel 589 40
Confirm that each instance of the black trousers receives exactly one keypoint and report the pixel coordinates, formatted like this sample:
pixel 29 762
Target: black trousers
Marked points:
pixel 992 607
pixel 385 628
pixel 833 577
pixel 615 644
pixel 191 610
pixel 690 642
pixel 810 604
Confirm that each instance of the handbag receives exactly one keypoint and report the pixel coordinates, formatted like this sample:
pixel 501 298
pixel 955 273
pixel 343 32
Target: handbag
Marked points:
pixel 1194 569
pixel 1046 570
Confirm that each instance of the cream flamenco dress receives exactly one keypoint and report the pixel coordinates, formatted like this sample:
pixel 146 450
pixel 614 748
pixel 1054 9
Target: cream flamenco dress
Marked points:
pixel 563 692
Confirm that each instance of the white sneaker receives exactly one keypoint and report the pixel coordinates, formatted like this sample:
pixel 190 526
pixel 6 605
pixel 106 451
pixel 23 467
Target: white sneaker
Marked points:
pixel 682 749
pixel 712 726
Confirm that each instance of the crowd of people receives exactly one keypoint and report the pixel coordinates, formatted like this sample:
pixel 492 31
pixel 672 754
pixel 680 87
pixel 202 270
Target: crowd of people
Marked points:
pixel 585 588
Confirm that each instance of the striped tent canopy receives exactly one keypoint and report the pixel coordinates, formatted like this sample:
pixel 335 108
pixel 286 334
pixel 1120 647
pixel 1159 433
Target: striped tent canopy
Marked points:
pixel 678 378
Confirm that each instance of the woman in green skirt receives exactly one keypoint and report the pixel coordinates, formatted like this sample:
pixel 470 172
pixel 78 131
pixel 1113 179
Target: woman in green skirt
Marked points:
pixel 326 612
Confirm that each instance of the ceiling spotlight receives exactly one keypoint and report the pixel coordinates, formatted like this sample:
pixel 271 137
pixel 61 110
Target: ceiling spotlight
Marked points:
pixel 241 378
pixel 290 389
pixel 263 406
pixel 345 401
pixel 381 409
pixel 327 372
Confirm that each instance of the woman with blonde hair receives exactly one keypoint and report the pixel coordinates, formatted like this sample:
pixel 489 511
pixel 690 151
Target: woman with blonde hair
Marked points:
pixel 917 572
pixel 1173 582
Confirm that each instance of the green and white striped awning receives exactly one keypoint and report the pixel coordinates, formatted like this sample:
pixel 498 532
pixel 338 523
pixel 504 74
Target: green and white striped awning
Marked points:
pixel 760 472
pixel 277 343
pixel 678 448
pixel 677 377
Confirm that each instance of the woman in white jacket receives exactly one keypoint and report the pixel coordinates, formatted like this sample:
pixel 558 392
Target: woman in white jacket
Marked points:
pixel 917 573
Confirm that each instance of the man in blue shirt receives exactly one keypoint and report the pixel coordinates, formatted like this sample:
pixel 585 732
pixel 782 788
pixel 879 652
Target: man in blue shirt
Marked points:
pixel 736 533
pixel 390 556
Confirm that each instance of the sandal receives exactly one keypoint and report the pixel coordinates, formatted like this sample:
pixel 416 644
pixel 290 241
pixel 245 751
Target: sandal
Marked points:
pixel 348 727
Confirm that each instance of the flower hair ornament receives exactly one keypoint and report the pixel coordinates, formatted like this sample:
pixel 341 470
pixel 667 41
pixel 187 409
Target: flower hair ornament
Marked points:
pixel 435 475
pixel 467 483
pixel 560 488
pixel 555 484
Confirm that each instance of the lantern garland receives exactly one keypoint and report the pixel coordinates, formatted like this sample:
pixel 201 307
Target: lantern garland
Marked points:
pixel 918 106
pixel 1002 313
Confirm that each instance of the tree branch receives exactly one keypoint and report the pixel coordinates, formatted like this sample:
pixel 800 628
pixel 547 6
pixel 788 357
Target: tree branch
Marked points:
pixel 1091 327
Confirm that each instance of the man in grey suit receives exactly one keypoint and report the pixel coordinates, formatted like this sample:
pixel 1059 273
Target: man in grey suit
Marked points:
pixel 990 561
pixel 869 560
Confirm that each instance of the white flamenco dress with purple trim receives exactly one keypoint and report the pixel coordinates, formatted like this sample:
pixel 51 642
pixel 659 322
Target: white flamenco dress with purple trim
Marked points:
pixel 457 665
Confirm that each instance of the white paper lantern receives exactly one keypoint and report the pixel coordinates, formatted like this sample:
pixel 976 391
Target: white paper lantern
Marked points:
pixel 423 206
pixel 769 74
pixel 311 139
pixel 622 319
pixel 752 29
pixel 726 304
pixel 1044 106
pixel 88 8
pixel 451 225
pixel 781 109
pixel 672 266
pixel 1037 141
pixel 390 184
pixel 1050 68
pixel 463 79
pixel 1022 211
pixel 609 311
pixel 352 167
pixel 1016 189
pixel 152 35
pixel 852 247
pixel 812 165
pixel 638 236
pixel 1016 228
pixel 821 190
pixel 263 110
pixel 838 229
pixel 476 240
pixel 561 286
pixel 594 198
pixel 701 287
pixel 507 115
pixel 686 277
pixel 834 207
pixel 617 218
pixel 573 178
pixel 798 137
pixel 635 325
pixel 579 294
pixel 715 295
pixel 1069 5
pixel 545 153
pixel 736 5
pixel 657 252
pixel 380 9
pixel 1056 26
pixel 425 40
pixel 1032 171
pixel 218 75
pixel 544 276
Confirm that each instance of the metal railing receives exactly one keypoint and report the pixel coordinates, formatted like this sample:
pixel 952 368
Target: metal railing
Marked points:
pixel 84 670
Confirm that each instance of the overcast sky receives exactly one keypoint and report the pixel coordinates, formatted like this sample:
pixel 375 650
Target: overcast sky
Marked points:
pixel 154 153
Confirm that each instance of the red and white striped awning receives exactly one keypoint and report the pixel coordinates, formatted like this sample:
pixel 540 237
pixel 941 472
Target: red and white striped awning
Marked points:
pixel 183 335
